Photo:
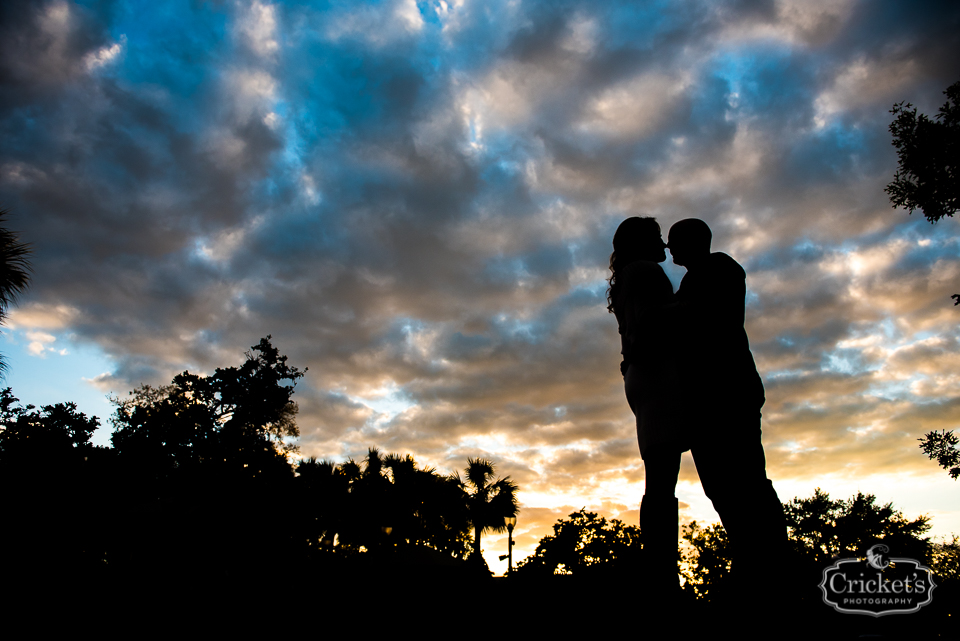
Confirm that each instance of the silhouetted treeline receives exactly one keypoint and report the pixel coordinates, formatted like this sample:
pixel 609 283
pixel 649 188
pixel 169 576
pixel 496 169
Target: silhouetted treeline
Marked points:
pixel 198 496
pixel 199 483
pixel 821 530
pixel 597 564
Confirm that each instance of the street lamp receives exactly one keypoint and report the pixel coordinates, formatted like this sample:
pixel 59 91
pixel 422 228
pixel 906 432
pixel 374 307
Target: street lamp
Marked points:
pixel 511 521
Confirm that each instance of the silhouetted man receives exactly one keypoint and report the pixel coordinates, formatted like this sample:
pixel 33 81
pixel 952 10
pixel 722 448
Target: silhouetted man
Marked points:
pixel 724 395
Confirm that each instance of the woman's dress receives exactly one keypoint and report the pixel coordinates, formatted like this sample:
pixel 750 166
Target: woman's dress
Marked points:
pixel 651 379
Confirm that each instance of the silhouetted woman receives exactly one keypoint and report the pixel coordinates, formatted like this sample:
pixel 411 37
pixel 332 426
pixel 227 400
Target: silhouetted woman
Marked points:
pixel 638 287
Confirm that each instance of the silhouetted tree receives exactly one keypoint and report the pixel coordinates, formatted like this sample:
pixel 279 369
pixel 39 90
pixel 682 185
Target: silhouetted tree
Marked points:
pixel 427 508
pixel 256 397
pixel 29 435
pixel 489 501
pixel 705 559
pixel 945 558
pixel 368 509
pixel 324 491
pixel 14 271
pixel 820 531
pixel 204 460
pixel 942 448
pixel 421 507
pixel 237 419
pixel 928 174
pixel 53 521
pixel 584 543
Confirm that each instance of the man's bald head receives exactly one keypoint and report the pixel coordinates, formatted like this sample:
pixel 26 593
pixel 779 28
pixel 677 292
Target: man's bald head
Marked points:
pixel 689 241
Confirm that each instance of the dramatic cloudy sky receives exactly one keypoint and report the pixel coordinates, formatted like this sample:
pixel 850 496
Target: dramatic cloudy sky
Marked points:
pixel 417 199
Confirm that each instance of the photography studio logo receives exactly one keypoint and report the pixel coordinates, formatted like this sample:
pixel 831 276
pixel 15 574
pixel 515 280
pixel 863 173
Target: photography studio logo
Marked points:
pixel 877 585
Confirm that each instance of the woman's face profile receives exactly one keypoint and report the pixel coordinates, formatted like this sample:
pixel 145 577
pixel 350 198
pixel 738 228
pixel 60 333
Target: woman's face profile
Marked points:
pixel 652 248
pixel 641 239
pixel 660 251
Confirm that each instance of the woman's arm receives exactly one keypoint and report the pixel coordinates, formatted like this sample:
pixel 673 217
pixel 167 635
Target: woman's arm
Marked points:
pixel 644 291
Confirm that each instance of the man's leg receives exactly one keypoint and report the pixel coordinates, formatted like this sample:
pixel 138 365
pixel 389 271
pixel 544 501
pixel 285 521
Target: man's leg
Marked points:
pixel 732 469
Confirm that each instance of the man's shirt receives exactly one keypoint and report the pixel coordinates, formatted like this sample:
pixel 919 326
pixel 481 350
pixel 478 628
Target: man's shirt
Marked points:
pixel 715 360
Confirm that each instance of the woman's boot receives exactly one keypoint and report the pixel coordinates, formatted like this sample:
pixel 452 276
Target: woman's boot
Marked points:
pixel 659 534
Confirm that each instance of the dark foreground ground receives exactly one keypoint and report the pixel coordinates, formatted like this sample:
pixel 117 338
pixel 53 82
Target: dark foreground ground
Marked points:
pixel 398 602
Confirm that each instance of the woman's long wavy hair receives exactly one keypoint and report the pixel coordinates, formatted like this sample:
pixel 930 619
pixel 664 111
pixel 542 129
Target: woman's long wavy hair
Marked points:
pixel 633 236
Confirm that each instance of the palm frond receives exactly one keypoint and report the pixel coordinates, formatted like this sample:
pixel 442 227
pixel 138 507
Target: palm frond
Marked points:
pixel 14 266
pixel 374 462
pixel 14 271
pixel 479 471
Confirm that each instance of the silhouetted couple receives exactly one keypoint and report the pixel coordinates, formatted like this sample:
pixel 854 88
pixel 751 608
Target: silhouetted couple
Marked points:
pixel 692 384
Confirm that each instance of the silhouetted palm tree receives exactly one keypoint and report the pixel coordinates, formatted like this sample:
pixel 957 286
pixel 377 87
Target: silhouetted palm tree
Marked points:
pixel 489 501
pixel 14 271
pixel 324 491
pixel 427 508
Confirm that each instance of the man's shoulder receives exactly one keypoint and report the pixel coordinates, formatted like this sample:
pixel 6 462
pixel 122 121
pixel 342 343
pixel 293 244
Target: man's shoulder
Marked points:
pixel 718 272
pixel 720 262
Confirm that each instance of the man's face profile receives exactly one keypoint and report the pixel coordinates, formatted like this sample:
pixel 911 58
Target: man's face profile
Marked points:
pixel 677 249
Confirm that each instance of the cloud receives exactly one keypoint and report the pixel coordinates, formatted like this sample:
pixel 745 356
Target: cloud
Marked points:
pixel 420 198
pixel 42 316
pixel 106 382
pixel 39 343
pixel 800 23
pixel 864 82
pixel 259 28
pixel 104 55
pixel 376 27
pixel 48 44
pixel 635 107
